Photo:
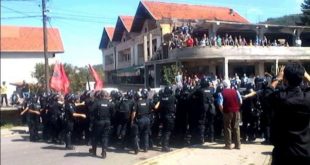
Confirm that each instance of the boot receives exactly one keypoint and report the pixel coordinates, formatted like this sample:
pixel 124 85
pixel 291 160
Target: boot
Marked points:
pixel 92 151
pixel 104 154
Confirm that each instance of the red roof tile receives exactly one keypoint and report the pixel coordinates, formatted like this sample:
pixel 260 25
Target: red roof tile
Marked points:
pixel 127 21
pixel 29 39
pixel 110 32
pixel 160 10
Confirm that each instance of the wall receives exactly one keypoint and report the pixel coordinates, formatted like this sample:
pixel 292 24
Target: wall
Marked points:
pixel 16 67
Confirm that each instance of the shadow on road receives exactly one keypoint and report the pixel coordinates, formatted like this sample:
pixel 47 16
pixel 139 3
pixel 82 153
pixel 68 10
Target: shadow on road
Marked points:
pixel 53 147
pixel 266 153
pixel 78 154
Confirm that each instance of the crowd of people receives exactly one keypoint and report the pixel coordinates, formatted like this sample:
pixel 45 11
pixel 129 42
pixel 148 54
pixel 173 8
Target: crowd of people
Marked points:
pixel 197 110
pixel 184 37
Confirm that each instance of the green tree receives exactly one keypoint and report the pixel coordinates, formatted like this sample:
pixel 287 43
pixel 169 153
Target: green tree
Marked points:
pixel 170 72
pixel 76 75
pixel 305 8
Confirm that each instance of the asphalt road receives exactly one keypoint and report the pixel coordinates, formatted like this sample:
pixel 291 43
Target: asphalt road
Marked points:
pixel 17 150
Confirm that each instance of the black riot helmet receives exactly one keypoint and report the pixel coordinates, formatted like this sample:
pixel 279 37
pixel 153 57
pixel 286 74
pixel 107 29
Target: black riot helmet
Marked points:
pixel 168 91
pixel 137 95
pixel 70 98
pixel 144 94
pixel 204 83
pixel 33 97
pixel 129 94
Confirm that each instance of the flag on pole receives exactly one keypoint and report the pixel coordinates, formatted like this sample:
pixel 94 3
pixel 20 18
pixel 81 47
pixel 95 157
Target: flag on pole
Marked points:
pixel 59 80
pixel 65 80
pixel 56 80
pixel 98 81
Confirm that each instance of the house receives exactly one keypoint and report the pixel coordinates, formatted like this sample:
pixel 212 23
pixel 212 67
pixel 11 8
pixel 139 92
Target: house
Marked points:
pixel 138 56
pixel 22 48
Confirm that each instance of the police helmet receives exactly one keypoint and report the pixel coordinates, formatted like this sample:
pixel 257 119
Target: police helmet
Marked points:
pixel 144 94
pixel 137 95
pixel 33 97
pixel 168 91
pixel 204 83
pixel 70 97
pixel 129 94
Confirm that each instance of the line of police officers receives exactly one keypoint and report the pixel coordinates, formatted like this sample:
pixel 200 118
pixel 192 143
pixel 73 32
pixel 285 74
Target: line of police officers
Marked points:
pixel 189 114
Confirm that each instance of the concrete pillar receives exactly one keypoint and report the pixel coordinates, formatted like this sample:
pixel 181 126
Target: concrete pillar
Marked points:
pixel 146 76
pixel 212 30
pixel 261 68
pixel 103 59
pixel 132 55
pixel 226 77
pixel 157 75
pixel 116 60
pixel 136 54
pixel 145 48
pixel 151 45
pixel 296 34
pixel 277 66
pixel 158 42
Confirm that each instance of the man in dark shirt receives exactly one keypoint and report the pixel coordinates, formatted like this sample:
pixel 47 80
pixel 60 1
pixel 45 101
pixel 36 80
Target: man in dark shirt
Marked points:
pixel 290 125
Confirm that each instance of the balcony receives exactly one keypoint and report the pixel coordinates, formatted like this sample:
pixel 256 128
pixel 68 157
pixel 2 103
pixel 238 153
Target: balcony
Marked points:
pixel 241 53
pixel 123 64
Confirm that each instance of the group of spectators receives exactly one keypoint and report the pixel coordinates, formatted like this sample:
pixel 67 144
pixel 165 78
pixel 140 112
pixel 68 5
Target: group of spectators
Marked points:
pixel 184 37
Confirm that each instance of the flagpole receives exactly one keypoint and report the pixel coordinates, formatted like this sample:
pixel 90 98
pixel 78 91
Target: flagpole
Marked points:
pixel 87 77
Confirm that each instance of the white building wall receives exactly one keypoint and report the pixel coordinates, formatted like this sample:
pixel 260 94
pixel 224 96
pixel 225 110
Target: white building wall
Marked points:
pixel 16 67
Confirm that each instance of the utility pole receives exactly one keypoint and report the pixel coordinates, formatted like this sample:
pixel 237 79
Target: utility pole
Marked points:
pixel 45 43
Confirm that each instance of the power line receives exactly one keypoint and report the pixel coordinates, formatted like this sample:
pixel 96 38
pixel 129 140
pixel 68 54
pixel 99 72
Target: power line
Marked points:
pixel 16 11
pixel 22 17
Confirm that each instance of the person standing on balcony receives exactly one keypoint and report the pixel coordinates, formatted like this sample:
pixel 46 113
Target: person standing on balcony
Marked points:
pixel 189 41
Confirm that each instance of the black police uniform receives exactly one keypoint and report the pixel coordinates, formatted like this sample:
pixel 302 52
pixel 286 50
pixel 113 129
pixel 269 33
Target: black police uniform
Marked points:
pixel 123 118
pixel 34 121
pixel 69 123
pixel 102 113
pixel 167 109
pixel 181 116
pixel 142 123
pixel 54 121
pixel 44 117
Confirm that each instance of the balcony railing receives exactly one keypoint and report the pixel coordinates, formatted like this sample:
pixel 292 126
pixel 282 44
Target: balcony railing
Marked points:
pixel 248 52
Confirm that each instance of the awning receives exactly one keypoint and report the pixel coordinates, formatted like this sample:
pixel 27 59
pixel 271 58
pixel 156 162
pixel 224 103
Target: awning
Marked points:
pixel 130 71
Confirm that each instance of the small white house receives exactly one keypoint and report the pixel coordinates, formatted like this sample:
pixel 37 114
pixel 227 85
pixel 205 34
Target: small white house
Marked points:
pixel 21 49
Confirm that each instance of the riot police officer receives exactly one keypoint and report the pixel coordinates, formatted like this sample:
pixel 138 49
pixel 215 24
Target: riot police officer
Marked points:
pixel 54 112
pixel 70 114
pixel 167 109
pixel 140 121
pixel 33 117
pixel 102 114
pixel 123 116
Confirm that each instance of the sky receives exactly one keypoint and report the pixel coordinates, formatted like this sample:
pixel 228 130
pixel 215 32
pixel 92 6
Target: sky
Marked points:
pixel 81 22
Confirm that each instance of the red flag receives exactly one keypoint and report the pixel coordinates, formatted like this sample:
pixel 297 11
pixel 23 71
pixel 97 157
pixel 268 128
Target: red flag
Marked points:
pixel 99 83
pixel 56 80
pixel 65 80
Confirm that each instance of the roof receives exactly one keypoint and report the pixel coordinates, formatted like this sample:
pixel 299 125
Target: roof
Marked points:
pixel 160 10
pixel 127 22
pixel 29 39
pixel 123 23
pixel 110 32
pixel 107 36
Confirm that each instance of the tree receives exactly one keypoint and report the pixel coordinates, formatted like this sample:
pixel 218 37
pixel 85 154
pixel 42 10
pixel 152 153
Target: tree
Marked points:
pixel 305 8
pixel 76 75
pixel 170 72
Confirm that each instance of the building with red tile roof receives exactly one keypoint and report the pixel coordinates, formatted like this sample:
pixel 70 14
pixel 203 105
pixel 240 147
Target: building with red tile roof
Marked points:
pixel 107 36
pixel 143 45
pixel 29 39
pixel 22 48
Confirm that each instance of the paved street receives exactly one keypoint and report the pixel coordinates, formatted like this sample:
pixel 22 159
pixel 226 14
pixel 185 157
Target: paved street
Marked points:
pixel 17 150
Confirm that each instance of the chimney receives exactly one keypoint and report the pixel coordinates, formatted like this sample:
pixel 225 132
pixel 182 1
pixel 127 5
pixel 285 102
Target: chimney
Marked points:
pixel 231 12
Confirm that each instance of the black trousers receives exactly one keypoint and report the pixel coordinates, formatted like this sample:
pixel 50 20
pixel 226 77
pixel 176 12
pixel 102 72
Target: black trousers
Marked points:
pixel 4 97
pixel 69 129
pixel 33 125
pixel 168 126
pixel 101 133
pixel 142 132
